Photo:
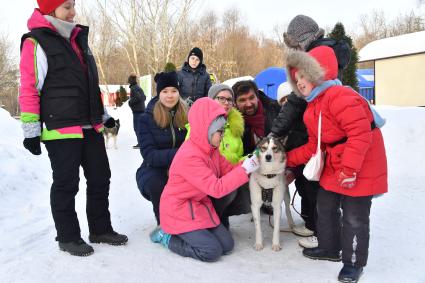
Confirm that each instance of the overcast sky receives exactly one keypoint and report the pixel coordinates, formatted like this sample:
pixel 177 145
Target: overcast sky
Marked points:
pixel 260 15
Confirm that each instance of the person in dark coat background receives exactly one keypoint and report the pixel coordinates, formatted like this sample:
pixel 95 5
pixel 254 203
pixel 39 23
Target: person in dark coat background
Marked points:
pixel 136 102
pixel 193 77
pixel 289 122
pixel 160 132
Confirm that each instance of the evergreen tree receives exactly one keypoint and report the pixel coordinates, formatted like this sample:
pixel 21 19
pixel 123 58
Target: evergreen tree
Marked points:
pixel 123 95
pixel 170 67
pixel 349 76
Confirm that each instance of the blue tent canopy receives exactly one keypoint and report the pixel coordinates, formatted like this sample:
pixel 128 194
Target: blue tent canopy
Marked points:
pixel 269 80
pixel 366 78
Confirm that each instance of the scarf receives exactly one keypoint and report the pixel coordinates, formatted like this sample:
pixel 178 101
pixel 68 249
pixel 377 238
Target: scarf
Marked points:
pixel 64 28
pixel 256 122
pixel 321 88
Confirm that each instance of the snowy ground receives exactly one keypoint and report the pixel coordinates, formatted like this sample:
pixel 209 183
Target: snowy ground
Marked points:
pixel 28 252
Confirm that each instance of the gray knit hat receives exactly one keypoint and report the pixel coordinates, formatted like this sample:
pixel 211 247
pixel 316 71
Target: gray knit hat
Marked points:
pixel 302 31
pixel 216 125
pixel 215 89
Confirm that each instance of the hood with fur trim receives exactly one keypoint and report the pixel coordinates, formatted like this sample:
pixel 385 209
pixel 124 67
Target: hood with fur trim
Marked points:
pixel 318 65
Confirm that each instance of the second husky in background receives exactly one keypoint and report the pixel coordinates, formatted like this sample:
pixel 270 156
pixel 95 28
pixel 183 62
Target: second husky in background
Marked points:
pixel 112 133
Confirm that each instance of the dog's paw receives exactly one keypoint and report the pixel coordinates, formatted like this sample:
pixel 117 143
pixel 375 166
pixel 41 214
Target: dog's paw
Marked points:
pixel 276 248
pixel 258 247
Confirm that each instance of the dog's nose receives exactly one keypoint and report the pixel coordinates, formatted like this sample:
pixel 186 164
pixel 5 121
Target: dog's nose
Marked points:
pixel 268 157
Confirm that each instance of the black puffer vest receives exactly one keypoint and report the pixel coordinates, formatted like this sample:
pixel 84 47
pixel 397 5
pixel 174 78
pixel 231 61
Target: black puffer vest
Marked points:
pixel 70 95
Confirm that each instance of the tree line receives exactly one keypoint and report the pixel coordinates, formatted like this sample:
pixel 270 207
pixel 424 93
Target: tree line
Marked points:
pixel 141 36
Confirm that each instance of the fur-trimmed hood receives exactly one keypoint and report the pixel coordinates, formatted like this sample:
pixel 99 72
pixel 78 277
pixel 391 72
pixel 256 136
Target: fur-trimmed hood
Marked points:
pixel 318 65
pixel 235 122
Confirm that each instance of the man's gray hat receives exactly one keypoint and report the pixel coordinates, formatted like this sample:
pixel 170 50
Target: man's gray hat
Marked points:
pixel 302 31
pixel 215 89
pixel 217 124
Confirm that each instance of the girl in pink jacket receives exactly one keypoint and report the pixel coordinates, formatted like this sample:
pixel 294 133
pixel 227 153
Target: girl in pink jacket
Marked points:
pixel 190 226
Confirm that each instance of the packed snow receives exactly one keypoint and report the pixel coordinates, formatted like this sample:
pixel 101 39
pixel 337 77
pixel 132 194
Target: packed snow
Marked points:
pixel 29 253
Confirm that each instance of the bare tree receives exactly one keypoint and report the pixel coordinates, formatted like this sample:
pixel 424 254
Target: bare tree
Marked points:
pixel 8 77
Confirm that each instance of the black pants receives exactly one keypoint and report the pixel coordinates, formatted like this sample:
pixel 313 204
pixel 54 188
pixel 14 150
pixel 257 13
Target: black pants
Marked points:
pixel 349 232
pixel 153 188
pixel 308 193
pixel 66 157
pixel 236 203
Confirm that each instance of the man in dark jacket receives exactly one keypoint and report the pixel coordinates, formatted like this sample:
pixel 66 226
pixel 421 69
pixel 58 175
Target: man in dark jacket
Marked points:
pixel 193 77
pixel 258 111
pixel 136 102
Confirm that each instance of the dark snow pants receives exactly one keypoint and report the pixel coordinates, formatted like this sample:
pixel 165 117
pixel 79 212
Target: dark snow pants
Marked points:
pixel 352 233
pixel 153 187
pixel 236 203
pixel 308 193
pixel 66 157
pixel 206 245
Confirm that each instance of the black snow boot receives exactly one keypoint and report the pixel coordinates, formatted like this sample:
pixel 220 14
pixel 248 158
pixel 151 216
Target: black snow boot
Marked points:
pixel 77 248
pixel 322 254
pixel 112 238
pixel 350 274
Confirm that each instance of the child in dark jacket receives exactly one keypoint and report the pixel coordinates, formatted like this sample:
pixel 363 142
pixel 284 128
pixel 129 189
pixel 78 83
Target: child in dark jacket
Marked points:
pixel 289 122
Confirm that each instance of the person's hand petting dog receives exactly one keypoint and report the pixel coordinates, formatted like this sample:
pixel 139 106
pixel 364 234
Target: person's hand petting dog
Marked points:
pixel 347 178
pixel 251 164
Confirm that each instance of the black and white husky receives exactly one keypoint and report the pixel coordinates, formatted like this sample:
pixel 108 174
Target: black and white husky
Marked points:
pixel 112 133
pixel 270 176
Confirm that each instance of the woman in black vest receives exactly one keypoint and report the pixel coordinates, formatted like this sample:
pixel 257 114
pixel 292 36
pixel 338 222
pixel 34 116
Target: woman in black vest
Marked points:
pixel 61 106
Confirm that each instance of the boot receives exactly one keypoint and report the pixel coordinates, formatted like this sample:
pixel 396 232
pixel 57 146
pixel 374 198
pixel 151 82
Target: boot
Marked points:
pixel 322 254
pixel 350 274
pixel 111 238
pixel 159 236
pixel 77 248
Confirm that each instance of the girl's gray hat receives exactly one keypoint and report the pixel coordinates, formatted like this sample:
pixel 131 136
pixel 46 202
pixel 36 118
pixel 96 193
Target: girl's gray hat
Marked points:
pixel 217 124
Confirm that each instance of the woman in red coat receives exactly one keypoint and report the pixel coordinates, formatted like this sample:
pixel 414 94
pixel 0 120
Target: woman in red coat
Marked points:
pixel 355 166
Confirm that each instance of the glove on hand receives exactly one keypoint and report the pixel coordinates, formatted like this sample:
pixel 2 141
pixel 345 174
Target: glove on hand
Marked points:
pixel 251 164
pixel 33 145
pixel 110 123
pixel 347 178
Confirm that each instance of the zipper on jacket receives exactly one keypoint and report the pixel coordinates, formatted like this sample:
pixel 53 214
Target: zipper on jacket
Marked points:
pixel 173 133
pixel 191 210
pixel 209 213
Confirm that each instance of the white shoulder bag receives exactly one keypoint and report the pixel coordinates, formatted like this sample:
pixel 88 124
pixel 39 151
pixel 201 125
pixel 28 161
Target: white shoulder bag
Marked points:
pixel 314 167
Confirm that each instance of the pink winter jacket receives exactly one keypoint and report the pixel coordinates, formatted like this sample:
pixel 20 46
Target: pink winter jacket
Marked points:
pixel 197 172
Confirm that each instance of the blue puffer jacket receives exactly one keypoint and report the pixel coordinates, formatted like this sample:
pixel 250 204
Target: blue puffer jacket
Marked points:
pixel 157 146
pixel 194 84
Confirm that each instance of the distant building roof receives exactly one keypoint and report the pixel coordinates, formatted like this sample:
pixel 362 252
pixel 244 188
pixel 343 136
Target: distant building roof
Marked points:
pixel 405 44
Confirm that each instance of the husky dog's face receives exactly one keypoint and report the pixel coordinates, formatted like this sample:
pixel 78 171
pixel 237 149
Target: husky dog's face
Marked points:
pixel 272 154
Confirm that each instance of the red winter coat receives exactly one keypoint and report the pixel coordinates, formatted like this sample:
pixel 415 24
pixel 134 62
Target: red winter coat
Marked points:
pixel 344 114
pixel 198 171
